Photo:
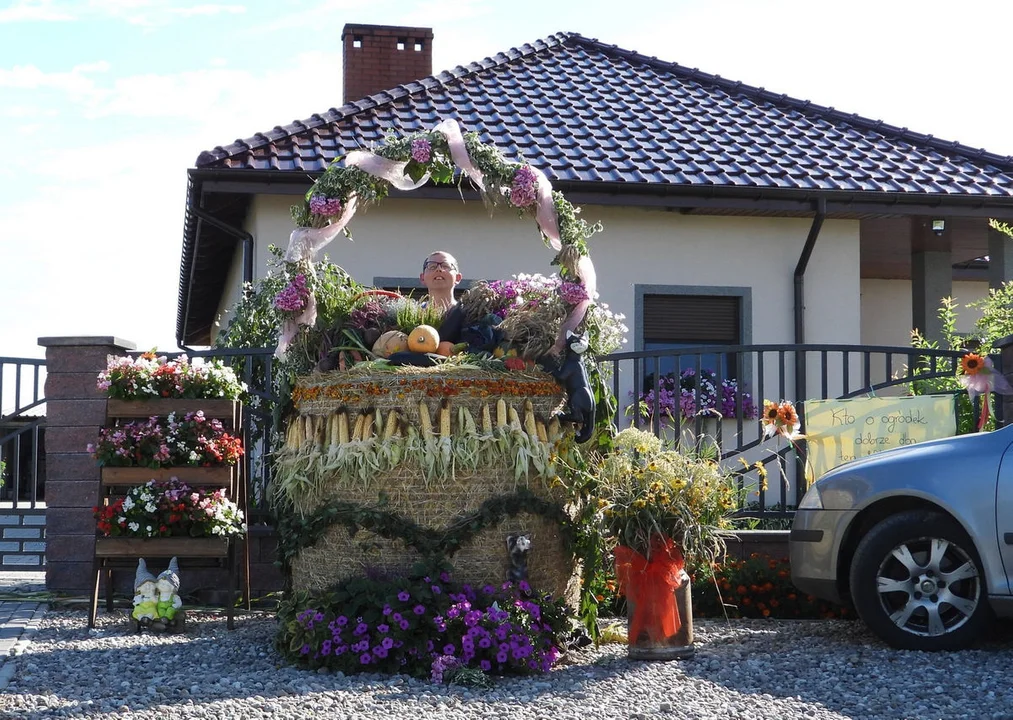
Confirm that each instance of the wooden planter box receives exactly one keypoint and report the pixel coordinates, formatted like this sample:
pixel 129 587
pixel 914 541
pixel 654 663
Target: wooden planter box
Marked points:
pixel 130 547
pixel 225 410
pixel 223 476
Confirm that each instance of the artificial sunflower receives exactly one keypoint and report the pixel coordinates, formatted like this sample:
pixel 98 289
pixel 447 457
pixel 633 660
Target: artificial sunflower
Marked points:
pixel 972 364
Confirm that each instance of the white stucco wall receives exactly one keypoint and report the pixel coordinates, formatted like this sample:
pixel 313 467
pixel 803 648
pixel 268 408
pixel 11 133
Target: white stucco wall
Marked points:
pixel 639 246
pixel 886 309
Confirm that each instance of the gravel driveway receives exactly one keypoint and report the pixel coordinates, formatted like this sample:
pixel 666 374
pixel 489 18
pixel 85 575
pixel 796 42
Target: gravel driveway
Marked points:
pixel 743 669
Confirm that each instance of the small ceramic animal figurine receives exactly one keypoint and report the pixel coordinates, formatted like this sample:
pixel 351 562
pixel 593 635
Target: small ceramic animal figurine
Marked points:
pixel 518 546
pixel 168 594
pixel 145 592
pixel 572 375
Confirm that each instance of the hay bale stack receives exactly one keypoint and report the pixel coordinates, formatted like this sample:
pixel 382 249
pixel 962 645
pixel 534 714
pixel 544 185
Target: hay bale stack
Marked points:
pixel 445 441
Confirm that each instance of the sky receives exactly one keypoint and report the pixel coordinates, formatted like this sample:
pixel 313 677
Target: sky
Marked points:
pixel 105 104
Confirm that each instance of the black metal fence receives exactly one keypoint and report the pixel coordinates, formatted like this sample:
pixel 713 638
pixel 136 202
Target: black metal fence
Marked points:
pixel 23 463
pixel 747 375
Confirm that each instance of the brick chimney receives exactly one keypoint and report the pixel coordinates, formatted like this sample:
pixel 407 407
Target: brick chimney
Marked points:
pixel 380 57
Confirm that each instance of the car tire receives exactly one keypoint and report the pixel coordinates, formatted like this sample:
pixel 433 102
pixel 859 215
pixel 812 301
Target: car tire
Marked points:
pixel 916 581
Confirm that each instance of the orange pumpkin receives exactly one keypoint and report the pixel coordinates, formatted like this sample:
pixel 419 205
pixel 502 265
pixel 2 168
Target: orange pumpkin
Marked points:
pixel 424 339
pixel 390 342
pixel 445 348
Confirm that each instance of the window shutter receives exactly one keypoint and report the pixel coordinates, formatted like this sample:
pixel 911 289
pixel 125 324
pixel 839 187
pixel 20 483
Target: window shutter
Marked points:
pixel 691 319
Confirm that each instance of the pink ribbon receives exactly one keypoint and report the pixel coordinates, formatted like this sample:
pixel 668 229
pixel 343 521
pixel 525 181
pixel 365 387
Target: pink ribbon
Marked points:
pixel 588 278
pixel 458 152
pixel 390 170
pixel 545 214
pixel 305 242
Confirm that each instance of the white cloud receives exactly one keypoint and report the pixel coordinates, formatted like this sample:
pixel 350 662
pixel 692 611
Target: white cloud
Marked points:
pixel 33 11
pixel 76 82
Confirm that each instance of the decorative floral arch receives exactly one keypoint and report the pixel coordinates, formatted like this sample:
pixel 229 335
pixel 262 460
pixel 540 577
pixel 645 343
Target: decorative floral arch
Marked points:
pixel 407 163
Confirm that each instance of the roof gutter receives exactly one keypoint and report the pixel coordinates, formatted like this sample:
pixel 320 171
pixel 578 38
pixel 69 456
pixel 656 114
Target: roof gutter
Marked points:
pixel 800 268
pixel 238 233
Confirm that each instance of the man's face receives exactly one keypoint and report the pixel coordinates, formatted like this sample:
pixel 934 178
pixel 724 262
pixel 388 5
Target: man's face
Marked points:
pixel 440 272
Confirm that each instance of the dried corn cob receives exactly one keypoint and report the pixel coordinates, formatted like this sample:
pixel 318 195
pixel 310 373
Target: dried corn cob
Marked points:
pixel 540 430
pixel 529 420
pixel 425 424
pixel 515 419
pixel 555 429
pixel 445 418
pixel 391 427
pixel 501 413
pixel 357 431
pixel 319 429
pixel 486 419
pixel 342 428
pixel 367 425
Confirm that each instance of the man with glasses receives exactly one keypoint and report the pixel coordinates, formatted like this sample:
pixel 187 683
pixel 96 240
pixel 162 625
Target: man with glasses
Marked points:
pixel 440 276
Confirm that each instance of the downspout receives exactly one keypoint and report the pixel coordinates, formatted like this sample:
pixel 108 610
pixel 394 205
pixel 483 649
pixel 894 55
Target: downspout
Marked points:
pixel 800 356
pixel 800 268
pixel 235 232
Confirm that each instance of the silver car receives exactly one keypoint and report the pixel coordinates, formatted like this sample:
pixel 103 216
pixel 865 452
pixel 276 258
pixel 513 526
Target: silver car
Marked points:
pixel 918 539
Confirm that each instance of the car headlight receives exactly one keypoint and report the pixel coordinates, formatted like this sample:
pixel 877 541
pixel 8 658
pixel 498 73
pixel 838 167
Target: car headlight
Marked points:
pixel 812 500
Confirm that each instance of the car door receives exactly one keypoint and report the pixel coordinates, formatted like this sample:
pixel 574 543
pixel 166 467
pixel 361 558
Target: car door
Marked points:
pixel 1004 518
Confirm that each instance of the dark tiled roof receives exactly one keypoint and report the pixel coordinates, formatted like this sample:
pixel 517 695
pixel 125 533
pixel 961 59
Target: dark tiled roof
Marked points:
pixel 588 112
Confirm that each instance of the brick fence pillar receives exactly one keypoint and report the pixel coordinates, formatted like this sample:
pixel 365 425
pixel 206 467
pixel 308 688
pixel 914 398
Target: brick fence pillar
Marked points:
pixel 75 410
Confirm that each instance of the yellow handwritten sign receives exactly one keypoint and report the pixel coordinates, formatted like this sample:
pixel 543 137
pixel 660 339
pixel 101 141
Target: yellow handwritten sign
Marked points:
pixel 841 430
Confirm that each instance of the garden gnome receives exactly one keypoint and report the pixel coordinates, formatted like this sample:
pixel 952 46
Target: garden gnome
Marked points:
pixel 145 593
pixel 168 593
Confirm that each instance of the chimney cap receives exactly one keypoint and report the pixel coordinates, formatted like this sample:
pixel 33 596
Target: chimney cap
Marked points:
pixel 398 30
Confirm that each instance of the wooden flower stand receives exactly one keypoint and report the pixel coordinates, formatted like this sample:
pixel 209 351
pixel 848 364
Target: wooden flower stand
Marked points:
pixel 122 553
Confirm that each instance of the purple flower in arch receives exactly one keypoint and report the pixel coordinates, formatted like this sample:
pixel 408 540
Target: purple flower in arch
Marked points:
pixel 403 624
pixel 404 596
pixel 449 649
pixel 387 643
pixel 501 656
pixel 422 150
pixel 380 652
pixel 484 642
pixel 361 629
pixel 387 610
pixel 365 659
pixel 396 617
pixel 419 610
pixel 382 628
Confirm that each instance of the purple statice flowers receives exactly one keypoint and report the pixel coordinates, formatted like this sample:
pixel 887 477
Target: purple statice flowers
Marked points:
pixel 422 151
pixel 524 188
pixel 324 206
pixel 294 296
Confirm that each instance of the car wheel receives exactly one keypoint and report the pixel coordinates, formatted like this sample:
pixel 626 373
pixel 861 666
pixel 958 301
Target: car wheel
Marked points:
pixel 916 581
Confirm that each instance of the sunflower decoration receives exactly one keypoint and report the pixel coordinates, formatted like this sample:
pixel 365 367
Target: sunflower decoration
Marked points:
pixel 780 419
pixel 978 376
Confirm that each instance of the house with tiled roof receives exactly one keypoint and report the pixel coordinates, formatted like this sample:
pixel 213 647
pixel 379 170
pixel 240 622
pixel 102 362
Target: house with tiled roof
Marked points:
pixel 732 214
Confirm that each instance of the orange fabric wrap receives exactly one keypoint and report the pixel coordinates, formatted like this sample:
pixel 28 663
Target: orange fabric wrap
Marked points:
pixel 649 586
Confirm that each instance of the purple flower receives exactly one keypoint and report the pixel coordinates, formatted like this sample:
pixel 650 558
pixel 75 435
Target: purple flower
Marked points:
pixel 436 589
pixel 524 587
pixel 419 609
pixel 380 651
pixel 325 206
pixel 294 296
pixel 365 659
pixel 485 666
pixel 472 618
pixel 325 647
pixel 488 589
pixel 445 576
pixel 404 596
pixel 523 189
pixel 382 628
pixel 304 650
pixel 386 609
pixel 361 629
pixel 422 151
pixel 484 642
pixel 403 624
pixel 387 643
pixel 572 293
pixel 449 649
pixel 396 617
pixel 501 657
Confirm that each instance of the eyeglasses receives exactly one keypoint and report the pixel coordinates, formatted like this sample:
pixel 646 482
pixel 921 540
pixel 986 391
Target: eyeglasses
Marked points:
pixel 436 265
